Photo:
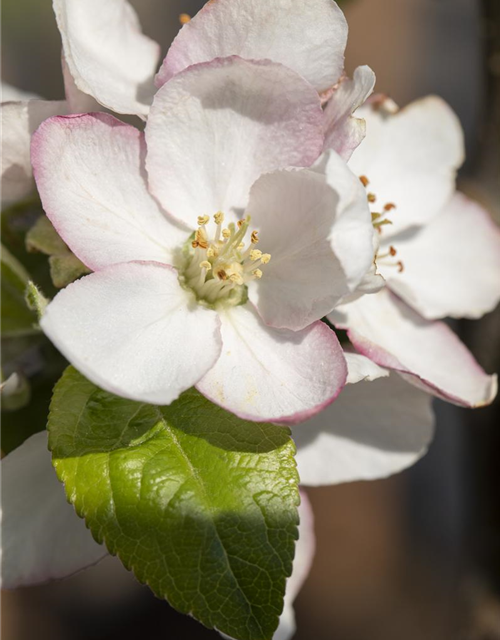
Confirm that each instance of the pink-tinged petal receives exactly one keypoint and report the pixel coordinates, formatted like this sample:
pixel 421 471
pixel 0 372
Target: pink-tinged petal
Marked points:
pixel 107 54
pixel 90 174
pixel 134 331
pixel 216 127
pixel 343 132
pixel 311 41
pixel 274 375
pixel 451 266
pixel 318 231
pixel 19 121
pixel 428 354
pixel 410 159
pixel 376 427
pixel 78 102
pixel 42 537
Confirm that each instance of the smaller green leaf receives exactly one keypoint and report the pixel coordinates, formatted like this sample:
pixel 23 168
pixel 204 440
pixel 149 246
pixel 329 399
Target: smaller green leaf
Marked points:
pixel 200 504
pixel 65 267
pixel 17 318
pixel 44 238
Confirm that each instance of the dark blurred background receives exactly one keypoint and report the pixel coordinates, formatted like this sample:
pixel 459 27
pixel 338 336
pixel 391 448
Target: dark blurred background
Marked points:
pixel 415 557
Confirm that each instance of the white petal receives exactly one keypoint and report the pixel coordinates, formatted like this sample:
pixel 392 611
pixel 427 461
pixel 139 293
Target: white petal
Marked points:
pixel 343 132
pixel 451 266
pixel 78 102
pixel 134 331
pixel 216 127
pixel 428 354
pixel 361 369
pixel 107 55
pixel 373 429
pixel 311 42
pixel 42 537
pixel 318 231
pixel 89 171
pixel 19 121
pixel 274 375
pixel 410 159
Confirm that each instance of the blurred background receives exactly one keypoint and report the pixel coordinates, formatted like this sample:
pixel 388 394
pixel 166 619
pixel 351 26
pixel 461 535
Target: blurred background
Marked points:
pixel 415 557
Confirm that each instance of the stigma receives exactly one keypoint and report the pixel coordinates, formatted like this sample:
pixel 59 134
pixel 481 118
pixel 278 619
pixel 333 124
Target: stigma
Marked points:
pixel 220 261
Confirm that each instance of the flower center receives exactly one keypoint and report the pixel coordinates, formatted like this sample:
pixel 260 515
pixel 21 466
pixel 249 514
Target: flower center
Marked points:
pixel 217 267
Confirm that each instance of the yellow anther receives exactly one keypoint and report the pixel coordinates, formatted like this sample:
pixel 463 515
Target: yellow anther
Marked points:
pixel 265 258
pixel 240 223
pixel 221 274
pixel 257 273
pixel 364 181
pixel 200 239
pixel 203 220
pixel 371 197
pixel 255 254
pixel 205 264
pixel 255 237
pixel 212 251
pixel 226 233
pixel 236 278
pixel 376 216
pixel 219 217
pixel 184 18
pixel 241 246
pixel 389 206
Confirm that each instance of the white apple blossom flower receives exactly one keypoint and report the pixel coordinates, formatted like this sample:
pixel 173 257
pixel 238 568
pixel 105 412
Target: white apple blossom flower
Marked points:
pixel 144 330
pixel 408 163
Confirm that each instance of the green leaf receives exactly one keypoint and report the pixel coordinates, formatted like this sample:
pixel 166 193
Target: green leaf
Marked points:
pixel 17 319
pixel 200 504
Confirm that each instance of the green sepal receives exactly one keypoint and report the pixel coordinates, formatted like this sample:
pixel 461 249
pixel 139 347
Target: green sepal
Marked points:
pixel 65 267
pixel 199 504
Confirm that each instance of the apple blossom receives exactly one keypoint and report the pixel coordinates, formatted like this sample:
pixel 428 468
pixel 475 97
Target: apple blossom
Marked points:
pixel 315 232
pixel 408 163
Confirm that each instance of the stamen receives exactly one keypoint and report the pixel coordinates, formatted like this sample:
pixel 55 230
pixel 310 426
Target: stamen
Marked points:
pixel 371 197
pixel 364 181
pixel 389 206
pixel 220 263
pixel 255 254
pixel 184 18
